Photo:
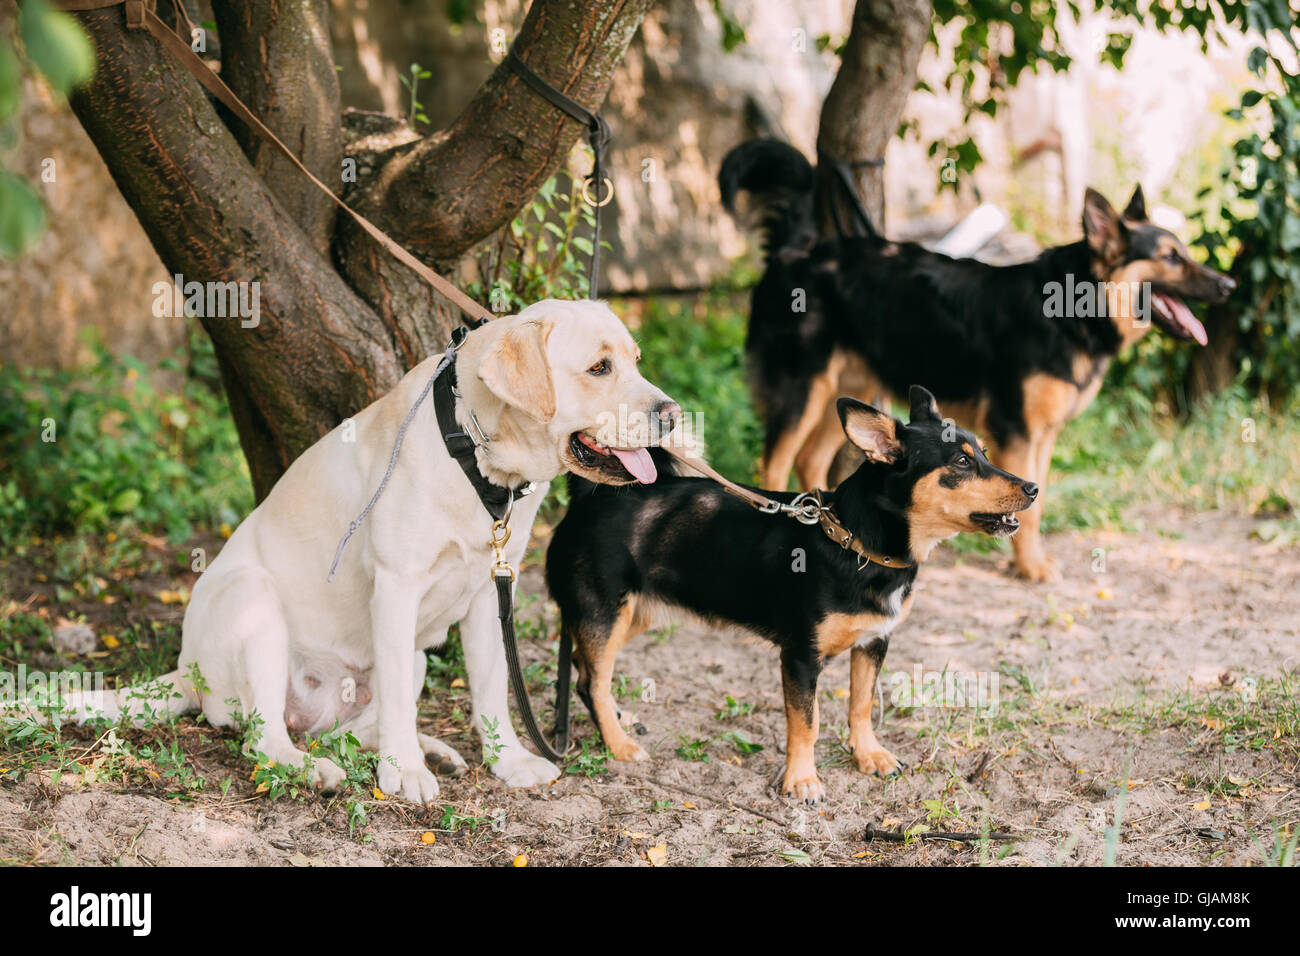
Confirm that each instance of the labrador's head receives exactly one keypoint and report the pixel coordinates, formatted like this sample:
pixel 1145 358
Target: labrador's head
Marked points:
pixel 562 391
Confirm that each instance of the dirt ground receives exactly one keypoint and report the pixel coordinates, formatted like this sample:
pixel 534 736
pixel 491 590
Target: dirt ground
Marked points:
pixel 1159 688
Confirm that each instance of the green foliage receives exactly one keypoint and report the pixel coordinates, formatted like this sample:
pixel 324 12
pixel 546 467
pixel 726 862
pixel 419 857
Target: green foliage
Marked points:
pixel 694 349
pixel 544 252
pixel 415 112
pixel 121 452
pixel 733 34
pixel 54 46
pixel 1266 232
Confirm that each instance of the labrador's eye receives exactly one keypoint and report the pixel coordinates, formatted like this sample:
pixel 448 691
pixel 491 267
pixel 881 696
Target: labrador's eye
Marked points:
pixel 1172 257
pixel 600 368
pixel 962 462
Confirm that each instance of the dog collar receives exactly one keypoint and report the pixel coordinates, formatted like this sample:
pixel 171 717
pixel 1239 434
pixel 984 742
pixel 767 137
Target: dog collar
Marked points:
pixel 462 446
pixel 847 540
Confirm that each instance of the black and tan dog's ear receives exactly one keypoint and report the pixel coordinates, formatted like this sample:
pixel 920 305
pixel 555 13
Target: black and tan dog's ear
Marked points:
pixel 1102 227
pixel 1136 210
pixel 870 430
pixel 516 371
pixel 924 407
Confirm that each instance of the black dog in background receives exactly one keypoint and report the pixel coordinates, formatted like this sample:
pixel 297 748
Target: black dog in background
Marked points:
pixel 864 315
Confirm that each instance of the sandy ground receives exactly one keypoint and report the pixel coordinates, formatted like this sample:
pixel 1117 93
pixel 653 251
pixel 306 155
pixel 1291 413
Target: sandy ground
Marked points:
pixel 1146 690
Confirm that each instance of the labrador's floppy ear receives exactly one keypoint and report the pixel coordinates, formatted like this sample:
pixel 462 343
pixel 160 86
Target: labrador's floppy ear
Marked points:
pixel 1102 228
pixel 924 407
pixel 516 371
pixel 1136 210
pixel 873 431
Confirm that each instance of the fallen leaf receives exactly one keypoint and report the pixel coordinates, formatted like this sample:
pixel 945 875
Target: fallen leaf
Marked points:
pixel 1105 594
pixel 657 855
pixel 458 682
pixel 428 838
pixel 1203 805
pixel 379 794
pixel 168 596
pixel 688 805
pixel 520 860
pixel 111 642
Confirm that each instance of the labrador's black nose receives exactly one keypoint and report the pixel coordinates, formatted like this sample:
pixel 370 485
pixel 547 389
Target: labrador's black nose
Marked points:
pixel 1030 489
pixel 668 412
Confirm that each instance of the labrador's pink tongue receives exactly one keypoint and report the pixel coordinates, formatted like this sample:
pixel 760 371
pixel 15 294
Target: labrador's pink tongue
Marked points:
pixel 639 463
pixel 1183 316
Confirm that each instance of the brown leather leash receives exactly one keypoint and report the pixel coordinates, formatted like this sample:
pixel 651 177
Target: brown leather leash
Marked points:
pixel 806 508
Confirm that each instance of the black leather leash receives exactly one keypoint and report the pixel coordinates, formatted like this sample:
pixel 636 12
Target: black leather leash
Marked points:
pixel 844 176
pixel 498 502
pixel 597 136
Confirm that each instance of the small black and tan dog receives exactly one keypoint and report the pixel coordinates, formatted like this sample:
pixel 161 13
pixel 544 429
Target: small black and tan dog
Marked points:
pixel 1013 352
pixel 621 554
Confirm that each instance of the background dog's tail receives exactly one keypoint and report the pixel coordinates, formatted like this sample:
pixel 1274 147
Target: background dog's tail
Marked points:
pixel 779 186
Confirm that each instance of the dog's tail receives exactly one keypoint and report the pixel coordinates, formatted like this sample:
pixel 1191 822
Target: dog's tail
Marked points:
pixel 780 185
pixel 170 695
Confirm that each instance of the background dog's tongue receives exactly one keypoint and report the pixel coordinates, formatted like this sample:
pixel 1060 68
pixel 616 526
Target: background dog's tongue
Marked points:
pixel 639 463
pixel 1183 316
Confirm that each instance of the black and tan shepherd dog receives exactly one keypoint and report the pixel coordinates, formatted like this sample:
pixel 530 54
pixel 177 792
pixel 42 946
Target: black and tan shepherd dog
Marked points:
pixel 622 554
pixel 1013 352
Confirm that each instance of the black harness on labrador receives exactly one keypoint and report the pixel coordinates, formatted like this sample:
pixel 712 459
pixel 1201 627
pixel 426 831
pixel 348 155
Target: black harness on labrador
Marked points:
pixel 498 501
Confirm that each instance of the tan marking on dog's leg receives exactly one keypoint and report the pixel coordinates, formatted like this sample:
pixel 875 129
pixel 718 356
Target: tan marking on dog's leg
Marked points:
pixel 1021 457
pixel 864 667
pixel 821 393
pixel 819 451
pixel 800 780
pixel 813 464
pixel 600 658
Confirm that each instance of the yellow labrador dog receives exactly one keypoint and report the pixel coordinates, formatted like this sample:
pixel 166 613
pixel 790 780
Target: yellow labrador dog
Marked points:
pixel 552 389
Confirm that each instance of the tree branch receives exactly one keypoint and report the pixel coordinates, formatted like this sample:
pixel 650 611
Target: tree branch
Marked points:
pixel 276 56
pixel 862 110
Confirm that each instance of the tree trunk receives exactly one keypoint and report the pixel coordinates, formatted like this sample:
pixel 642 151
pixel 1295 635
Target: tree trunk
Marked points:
pixel 219 206
pixel 865 104
pixel 859 117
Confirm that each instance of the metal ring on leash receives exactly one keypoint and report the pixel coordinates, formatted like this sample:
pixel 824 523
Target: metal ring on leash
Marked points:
pixel 592 200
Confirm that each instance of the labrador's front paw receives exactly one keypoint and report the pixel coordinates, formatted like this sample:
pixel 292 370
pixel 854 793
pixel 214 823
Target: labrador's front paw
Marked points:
pixel 326 775
pixel 522 769
pixel 413 782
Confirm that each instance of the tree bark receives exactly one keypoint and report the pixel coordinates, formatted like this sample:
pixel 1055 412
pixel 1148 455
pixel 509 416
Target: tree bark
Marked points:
pixel 219 206
pixel 277 59
pixel 862 111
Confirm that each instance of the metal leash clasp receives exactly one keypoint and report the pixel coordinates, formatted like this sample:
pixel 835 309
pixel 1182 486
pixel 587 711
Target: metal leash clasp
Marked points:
pixel 500 535
pixel 806 508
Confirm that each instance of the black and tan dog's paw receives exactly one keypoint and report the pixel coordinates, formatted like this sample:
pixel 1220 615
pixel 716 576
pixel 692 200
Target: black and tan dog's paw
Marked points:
pixel 805 789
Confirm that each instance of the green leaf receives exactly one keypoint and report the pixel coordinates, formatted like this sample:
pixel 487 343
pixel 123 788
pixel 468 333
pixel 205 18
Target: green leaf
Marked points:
pixel 57 45
pixel 22 216
pixel 8 80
